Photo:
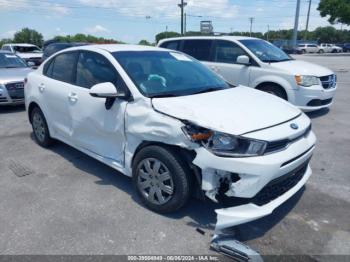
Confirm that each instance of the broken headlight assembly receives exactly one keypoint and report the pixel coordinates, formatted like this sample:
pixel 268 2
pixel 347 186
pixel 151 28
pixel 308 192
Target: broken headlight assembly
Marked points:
pixel 224 145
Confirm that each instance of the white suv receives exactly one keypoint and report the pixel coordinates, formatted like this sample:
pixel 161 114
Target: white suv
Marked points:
pixel 256 63
pixel 174 126
pixel 310 48
pixel 28 52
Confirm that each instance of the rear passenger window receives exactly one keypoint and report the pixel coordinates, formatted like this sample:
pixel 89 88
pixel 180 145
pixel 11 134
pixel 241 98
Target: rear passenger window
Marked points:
pixel 174 45
pixel 227 52
pixel 199 49
pixel 93 68
pixel 62 68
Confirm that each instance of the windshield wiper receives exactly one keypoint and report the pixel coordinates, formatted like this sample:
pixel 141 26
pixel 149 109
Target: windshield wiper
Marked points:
pixel 212 89
pixel 162 95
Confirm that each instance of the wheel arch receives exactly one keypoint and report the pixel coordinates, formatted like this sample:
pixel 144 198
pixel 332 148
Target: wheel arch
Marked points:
pixel 31 107
pixel 270 83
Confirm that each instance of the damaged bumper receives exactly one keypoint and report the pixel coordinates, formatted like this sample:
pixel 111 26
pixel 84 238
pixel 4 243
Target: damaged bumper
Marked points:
pixel 228 217
pixel 260 184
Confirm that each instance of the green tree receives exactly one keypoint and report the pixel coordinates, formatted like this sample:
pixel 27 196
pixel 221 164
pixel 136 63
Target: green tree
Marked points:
pixel 164 35
pixel 144 42
pixel 337 10
pixel 86 39
pixel 29 36
pixel 5 41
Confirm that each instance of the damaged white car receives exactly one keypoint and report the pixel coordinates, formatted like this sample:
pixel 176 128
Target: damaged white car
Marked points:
pixel 174 126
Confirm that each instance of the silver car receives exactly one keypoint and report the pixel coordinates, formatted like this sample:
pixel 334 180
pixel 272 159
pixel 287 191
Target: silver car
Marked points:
pixel 13 71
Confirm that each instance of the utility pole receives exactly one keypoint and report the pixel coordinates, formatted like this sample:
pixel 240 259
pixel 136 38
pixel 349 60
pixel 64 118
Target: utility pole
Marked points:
pixel 268 30
pixel 166 31
pixel 296 25
pixel 182 6
pixel 185 24
pixel 307 20
pixel 251 19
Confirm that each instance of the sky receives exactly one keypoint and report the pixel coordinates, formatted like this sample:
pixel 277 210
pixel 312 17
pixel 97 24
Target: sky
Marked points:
pixel 133 20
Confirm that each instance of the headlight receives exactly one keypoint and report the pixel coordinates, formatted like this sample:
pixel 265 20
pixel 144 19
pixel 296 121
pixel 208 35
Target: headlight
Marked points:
pixel 307 80
pixel 226 145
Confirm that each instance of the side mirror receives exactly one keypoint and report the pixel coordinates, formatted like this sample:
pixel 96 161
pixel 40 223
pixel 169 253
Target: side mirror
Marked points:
pixel 105 90
pixel 30 64
pixel 243 60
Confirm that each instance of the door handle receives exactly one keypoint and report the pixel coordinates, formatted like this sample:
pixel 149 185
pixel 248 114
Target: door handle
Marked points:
pixel 73 97
pixel 41 88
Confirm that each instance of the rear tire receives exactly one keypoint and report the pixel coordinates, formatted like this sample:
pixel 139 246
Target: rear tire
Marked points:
pixel 274 89
pixel 161 179
pixel 321 51
pixel 40 128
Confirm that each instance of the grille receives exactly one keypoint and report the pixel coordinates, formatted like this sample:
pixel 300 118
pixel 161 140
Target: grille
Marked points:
pixel 328 81
pixel 319 102
pixel 279 186
pixel 278 145
pixel 15 90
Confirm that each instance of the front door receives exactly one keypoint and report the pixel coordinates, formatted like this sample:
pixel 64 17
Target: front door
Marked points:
pixel 224 63
pixel 97 128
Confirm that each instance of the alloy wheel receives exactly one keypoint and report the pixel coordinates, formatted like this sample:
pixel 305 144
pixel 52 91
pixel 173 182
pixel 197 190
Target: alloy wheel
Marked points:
pixel 39 127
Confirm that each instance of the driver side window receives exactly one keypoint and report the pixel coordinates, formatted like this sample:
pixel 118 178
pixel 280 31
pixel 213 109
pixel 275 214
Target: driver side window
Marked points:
pixel 227 52
pixel 92 69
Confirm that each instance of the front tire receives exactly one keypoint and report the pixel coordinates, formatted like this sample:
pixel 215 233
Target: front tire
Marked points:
pixel 40 128
pixel 274 89
pixel 161 179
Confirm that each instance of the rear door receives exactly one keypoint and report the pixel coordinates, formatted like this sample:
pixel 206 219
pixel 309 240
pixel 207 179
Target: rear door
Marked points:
pixel 225 54
pixel 97 128
pixel 55 89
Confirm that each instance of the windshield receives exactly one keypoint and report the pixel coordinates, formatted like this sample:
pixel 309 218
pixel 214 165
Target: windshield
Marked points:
pixel 164 74
pixel 27 49
pixel 11 61
pixel 265 51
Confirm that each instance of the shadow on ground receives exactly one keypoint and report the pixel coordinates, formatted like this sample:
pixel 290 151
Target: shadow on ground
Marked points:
pixel 12 109
pixel 318 113
pixel 201 213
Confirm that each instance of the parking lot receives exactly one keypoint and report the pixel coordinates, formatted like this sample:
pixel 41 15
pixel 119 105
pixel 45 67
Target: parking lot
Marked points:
pixel 60 201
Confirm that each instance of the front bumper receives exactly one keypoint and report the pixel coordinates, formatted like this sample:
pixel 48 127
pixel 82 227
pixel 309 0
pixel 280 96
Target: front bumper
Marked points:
pixel 228 217
pixel 313 98
pixel 7 99
pixel 255 175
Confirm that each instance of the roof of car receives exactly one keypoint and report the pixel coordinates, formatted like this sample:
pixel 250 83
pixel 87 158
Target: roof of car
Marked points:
pixel 117 47
pixel 225 37
pixel 5 52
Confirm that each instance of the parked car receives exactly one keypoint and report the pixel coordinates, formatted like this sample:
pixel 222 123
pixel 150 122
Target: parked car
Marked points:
pixel 290 50
pixel 13 71
pixel 28 52
pixel 329 48
pixel 346 47
pixel 174 126
pixel 256 63
pixel 309 48
pixel 55 47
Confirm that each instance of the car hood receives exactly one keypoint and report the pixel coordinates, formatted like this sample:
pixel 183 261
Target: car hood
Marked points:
pixel 298 67
pixel 234 111
pixel 13 74
pixel 29 55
